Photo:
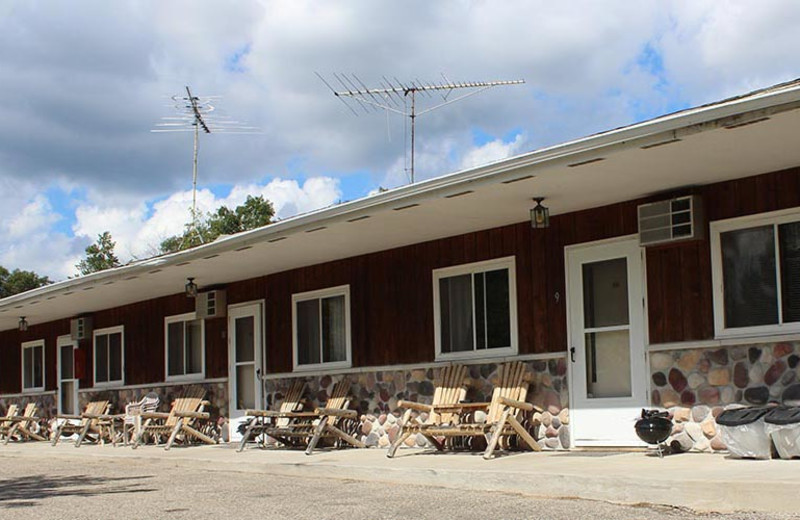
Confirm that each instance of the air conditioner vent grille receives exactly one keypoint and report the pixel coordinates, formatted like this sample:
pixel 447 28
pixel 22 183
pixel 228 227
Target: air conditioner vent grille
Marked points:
pixel 671 220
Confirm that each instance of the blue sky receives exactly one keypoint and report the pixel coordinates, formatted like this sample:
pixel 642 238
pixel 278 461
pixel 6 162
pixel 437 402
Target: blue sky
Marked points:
pixel 84 83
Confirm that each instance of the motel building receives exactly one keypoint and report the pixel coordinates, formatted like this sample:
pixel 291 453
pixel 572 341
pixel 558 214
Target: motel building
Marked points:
pixel 667 276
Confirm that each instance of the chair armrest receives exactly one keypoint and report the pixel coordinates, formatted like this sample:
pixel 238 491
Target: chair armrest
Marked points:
pixel 459 407
pixel 337 412
pixel 415 406
pixel 69 417
pixel 92 415
pixel 111 417
pixel 520 405
pixel 18 418
pixel 154 415
pixel 194 415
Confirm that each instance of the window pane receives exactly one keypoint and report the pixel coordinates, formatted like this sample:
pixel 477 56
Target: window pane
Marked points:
pixel 245 339
pixel 479 282
pixel 498 311
pixel 748 273
pixel 605 293
pixel 175 349
pixel 101 358
pixel 308 332
pixel 789 235
pixel 115 357
pixel 334 336
pixel 608 364
pixel 245 387
pixel 27 364
pixel 194 347
pixel 455 300
pixel 38 365
pixel 68 397
pixel 67 362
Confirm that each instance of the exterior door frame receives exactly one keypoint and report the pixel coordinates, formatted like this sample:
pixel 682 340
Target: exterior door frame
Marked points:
pixel 238 310
pixel 66 341
pixel 618 247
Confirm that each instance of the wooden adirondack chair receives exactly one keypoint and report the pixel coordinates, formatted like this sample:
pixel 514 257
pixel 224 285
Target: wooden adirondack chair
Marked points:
pixel 450 388
pixel 262 420
pixel 181 423
pixel 331 418
pixel 21 426
pixel 89 427
pixel 503 413
pixel 6 421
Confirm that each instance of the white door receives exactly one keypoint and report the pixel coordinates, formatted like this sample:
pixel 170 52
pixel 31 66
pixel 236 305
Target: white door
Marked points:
pixel 244 354
pixel 608 377
pixel 67 383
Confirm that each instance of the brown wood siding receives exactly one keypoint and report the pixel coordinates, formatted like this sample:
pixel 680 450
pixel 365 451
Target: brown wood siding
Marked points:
pixel 391 291
pixel 680 303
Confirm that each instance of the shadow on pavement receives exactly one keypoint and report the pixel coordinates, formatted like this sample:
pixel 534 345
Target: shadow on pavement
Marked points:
pixel 26 491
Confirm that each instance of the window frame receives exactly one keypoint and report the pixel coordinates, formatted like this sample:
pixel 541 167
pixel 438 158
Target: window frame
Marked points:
pixel 340 290
pixel 185 318
pixel 102 332
pixel 507 262
pixel 30 345
pixel 774 219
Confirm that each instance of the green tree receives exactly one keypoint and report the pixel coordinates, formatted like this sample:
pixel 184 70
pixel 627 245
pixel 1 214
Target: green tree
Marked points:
pixel 254 213
pixel 17 281
pixel 99 256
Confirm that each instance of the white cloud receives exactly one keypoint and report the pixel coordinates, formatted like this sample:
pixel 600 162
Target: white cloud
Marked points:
pixel 83 84
pixel 138 230
pixel 492 151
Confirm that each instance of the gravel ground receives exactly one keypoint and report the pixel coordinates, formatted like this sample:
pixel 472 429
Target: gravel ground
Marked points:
pixel 133 489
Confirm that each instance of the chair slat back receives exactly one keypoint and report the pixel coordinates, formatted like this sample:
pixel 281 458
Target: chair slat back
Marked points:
pixel 450 387
pixel 95 408
pixel 30 410
pixel 190 401
pixel 291 401
pixel 512 384
pixel 340 397
pixel 10 412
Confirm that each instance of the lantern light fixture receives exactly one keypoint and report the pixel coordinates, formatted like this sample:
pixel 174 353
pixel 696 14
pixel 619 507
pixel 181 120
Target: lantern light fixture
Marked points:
pixel 23 324
pixel 191 288
pixel 540 215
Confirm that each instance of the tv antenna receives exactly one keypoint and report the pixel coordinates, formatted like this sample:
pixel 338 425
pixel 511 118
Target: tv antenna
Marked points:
pixel 195 114
pixel 393 96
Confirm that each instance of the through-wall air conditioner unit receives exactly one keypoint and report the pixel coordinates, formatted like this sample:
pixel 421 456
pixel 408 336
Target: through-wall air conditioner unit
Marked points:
pixel 211 304
pixel 671 220
pixel 80 328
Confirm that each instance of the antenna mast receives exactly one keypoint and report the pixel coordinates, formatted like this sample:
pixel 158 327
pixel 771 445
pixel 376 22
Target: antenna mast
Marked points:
pixel 393 96
pixel 195 113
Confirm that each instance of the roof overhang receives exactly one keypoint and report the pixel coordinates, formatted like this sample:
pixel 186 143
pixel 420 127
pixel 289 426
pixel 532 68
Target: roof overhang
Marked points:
pixel 736 138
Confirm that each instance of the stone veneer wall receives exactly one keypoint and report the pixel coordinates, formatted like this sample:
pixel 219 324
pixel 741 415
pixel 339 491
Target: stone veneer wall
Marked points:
pixel 216 394
pixel 375 396
pixel 696 385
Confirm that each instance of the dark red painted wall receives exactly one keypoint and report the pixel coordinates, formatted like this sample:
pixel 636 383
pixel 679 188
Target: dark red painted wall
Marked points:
pixel 392 294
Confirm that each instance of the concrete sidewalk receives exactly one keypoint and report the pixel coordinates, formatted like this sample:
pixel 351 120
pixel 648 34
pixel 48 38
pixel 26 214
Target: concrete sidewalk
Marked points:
pixel 703 482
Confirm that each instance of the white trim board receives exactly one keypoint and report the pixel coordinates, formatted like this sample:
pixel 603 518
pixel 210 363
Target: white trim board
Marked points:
pixel 155 385
pixel 415 366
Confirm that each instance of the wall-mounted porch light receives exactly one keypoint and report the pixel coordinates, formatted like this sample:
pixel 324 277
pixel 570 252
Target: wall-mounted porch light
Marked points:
pixel 540 215
pixel 23 324
pixel 191 288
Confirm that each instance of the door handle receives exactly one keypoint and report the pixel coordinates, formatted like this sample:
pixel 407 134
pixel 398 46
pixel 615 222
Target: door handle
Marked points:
pixel 572 354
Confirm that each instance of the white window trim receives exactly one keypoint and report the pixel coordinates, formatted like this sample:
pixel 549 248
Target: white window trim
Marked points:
pixel 178 318
pixel 341 290
pixel 101 332
pixel 508 262
pixel 33 389
pixel 733 224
